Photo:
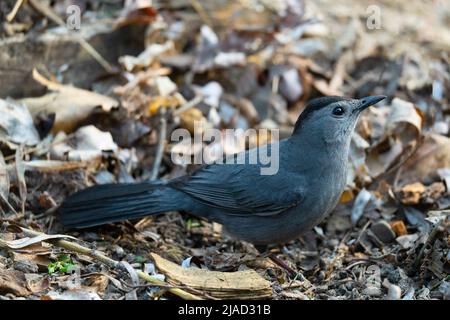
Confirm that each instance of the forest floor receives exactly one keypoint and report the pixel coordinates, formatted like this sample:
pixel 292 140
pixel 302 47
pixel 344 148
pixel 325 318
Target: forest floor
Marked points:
pixel 98 105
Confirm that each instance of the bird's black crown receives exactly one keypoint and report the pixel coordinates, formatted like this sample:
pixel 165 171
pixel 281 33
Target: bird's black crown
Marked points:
pixel 316 104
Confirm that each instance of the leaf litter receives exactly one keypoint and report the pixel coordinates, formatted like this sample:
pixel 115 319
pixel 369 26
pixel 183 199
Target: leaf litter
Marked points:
pixel 387 239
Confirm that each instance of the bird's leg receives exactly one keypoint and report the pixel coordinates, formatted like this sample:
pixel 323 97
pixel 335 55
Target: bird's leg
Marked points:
pixel 291 272
pixel 283 265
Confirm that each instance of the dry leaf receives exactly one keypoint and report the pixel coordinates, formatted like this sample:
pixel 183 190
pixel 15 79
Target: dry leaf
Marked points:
pixel 225 285
pixel 166 102
pixel 76 294
pixel 411 193
pixel 12 281
pixel 20 174
pixel 433 154
pixel 16 124
pixel 399 228
pixel 401 132
pixel 90 144
pixel 71 105
pixel 136 12
pixel 25 242
pixel 98 283
pixel 53 165
pixel 193 120
pixel 39 259
pixel 4 179
pixel 145 58
pixel 36 283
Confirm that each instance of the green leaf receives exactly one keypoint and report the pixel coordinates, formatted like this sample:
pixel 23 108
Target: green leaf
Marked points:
pixel 139 259
pixel 51 268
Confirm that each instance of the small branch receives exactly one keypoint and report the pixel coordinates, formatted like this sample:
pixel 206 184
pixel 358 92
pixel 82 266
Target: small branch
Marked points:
pixel 10 17
pixel 10 207
pixel 188 105
pixel 435 233
pixel 161 144
pixel 71 246
pixel 202 13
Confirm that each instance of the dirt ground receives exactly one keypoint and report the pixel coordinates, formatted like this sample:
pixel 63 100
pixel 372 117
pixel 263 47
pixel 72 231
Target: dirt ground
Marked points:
pixel 98 104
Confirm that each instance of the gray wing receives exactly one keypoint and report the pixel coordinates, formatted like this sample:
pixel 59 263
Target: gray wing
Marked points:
pixel 241 189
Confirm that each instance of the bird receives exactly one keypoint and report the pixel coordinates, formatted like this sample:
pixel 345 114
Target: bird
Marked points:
pixel 260 209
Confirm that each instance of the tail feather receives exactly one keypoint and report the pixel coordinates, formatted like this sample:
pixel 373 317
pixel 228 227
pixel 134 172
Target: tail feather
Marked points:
pixel 115 202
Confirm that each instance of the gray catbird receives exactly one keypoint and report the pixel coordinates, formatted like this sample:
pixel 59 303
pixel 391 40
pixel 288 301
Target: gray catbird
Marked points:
pixel 261 209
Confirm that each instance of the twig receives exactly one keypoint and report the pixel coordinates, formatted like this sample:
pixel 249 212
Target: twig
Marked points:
pixel 10 207
pixel 49 13
pixel 202 13
pixel 10 17
pixel 112 263
pixel 188 105
pixel 161 144
pixel 434 234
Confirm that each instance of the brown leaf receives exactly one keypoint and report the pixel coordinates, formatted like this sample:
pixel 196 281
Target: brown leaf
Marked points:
pixel 192 118
pixel 25 242
pixel 36 283
pixel 12 281
pixel 411 193
pixel 401 131
pixel 71 105
pixel 399 228
pixel 432 154
pixel 98 283
pixel 226 285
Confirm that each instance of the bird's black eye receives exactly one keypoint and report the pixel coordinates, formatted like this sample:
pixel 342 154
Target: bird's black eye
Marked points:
pixel 338 111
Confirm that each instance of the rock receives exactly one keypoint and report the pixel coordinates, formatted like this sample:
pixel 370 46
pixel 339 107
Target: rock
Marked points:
pixel 383 231
pixel 394 292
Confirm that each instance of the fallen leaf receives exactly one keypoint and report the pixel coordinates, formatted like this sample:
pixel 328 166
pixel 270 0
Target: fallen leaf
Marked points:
pixel 12 281
pixel 16 124
pixel 400 133
pixel 41 260
pixel 90 144
pixel 407 241
pixel 76 294
pixel 146 57
pixel 36 283
pixel 361 201
pixel 411 193
pixel 193 120
pixel 135 12
pixel 432 154
pixel 70 104
pixel 53 165
pixel 225 285
pixel 20 174
pixel 4 179
pixel 98 283
pixel 399 228
pixel 25 242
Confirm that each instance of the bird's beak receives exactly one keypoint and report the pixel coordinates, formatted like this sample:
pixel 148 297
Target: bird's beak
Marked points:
pixel 369 101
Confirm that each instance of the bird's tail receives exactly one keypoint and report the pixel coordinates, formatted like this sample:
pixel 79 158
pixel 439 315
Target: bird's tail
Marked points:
pixel 109 203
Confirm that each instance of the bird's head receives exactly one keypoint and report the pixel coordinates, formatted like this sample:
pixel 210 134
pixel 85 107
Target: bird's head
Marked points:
pixel 332 119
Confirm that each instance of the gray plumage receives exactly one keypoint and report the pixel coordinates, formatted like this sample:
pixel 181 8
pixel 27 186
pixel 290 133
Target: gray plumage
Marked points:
pixel 261 209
